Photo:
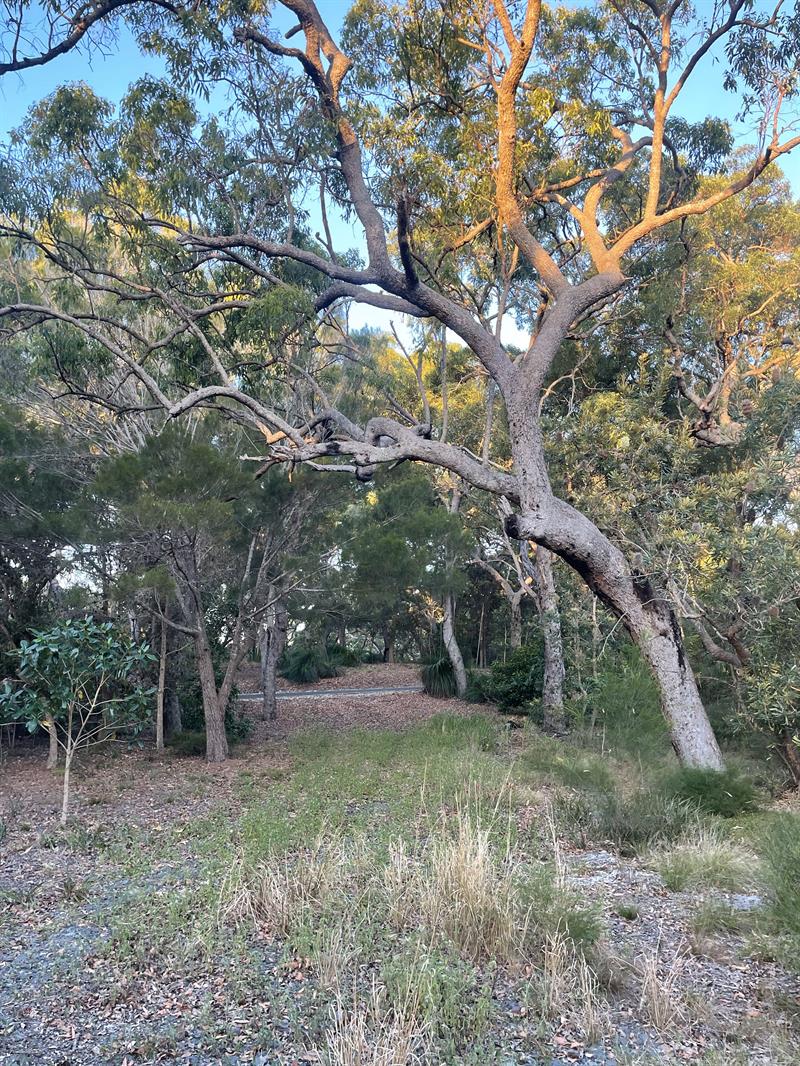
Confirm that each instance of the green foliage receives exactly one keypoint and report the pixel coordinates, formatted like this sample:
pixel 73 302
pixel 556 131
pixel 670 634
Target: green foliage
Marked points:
pixel 475 693
pixel 635 822
pixel 725 793
pixel 438 678
pixel 304 662
pixel 779 843
pixel 81 674
pixel 515 683
pixel 623 700
pixel 342 656
pixel 559 762
pixel 450 998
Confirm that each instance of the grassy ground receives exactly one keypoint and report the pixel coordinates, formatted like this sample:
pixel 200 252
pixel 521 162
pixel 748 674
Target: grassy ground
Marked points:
pixel 456 892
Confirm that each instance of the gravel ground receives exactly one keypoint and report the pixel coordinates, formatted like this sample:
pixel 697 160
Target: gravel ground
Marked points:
pixel 65 1000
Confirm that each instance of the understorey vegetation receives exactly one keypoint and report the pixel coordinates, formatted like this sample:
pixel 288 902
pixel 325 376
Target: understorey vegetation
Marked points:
pixel 449 893
pixel 399 532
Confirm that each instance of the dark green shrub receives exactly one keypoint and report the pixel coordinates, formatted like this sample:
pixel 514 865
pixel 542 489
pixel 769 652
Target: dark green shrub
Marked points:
pixel 623 703
pixel 633 823
pixel 304 663
pixel 475 693
pixel 512 685
pixel 189 744
pixel 341 656
pixel 725 793
pixel 438 678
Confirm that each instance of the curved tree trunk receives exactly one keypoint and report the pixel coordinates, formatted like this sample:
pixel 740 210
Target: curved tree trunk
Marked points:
pixel 644 612
pixel 553 684
pixel 451 645
pixel 273 641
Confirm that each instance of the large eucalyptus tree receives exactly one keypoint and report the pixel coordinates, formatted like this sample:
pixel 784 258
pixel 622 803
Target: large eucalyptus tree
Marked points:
pixel 497 159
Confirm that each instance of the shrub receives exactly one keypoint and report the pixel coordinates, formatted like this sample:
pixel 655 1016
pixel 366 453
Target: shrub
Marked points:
pixel 190 743
pixel 304 663
pixel 515 683
pixel 342 656
pixel 475 693
pixel 438 678
pixel 725 793
pixel 640 820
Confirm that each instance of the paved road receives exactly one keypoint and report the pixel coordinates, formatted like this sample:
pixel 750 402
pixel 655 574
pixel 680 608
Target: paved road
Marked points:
pixel 328 693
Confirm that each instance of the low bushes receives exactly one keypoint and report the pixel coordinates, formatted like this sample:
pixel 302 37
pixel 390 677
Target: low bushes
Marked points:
pixel 438 678
pixel 725 793
pixel 304 663
pixel 514 684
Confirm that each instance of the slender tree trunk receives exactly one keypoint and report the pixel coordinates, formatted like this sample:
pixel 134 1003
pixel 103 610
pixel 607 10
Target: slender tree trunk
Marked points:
pixel 451 645
pixel 65 794
pixel 162 676
pixel 273 641
pixel 515 628
pixel 554 672
pixel 52 753
pixel 216 740
pixel 173 719
pixel 388 646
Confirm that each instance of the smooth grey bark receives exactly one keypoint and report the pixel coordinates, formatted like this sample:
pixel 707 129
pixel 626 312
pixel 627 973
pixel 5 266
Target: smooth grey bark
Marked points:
pixel 515 628
pixel 273 641
pixel 550 616
pixel 451 645
pixel 213 711
pixel 645 613
pixel 449 618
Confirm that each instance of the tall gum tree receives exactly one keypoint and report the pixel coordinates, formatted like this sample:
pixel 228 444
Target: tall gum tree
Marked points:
pixel 580 162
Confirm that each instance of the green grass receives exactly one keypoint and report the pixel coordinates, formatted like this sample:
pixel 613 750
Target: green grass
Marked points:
pixel 706 859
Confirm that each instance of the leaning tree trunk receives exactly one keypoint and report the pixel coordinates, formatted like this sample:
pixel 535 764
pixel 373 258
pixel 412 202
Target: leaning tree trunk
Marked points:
pixel 644 612
pixel 273 641
pixel 214 712
pixel 451 645
pixel 553 683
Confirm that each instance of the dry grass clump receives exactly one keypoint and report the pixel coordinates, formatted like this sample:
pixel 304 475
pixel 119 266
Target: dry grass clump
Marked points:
pixel 660 999
pixel 469 892
pixel 704 858
pixel 371 1034
pixel 284 893
pixel 566 986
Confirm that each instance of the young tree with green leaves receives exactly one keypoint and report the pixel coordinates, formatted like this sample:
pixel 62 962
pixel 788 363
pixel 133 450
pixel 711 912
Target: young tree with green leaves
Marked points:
pixel 79 680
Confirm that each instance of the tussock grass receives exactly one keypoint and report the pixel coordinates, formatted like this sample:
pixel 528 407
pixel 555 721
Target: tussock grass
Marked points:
pixel 660 998
pixel 368 1033
pixel 567 986
pixel 704 858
